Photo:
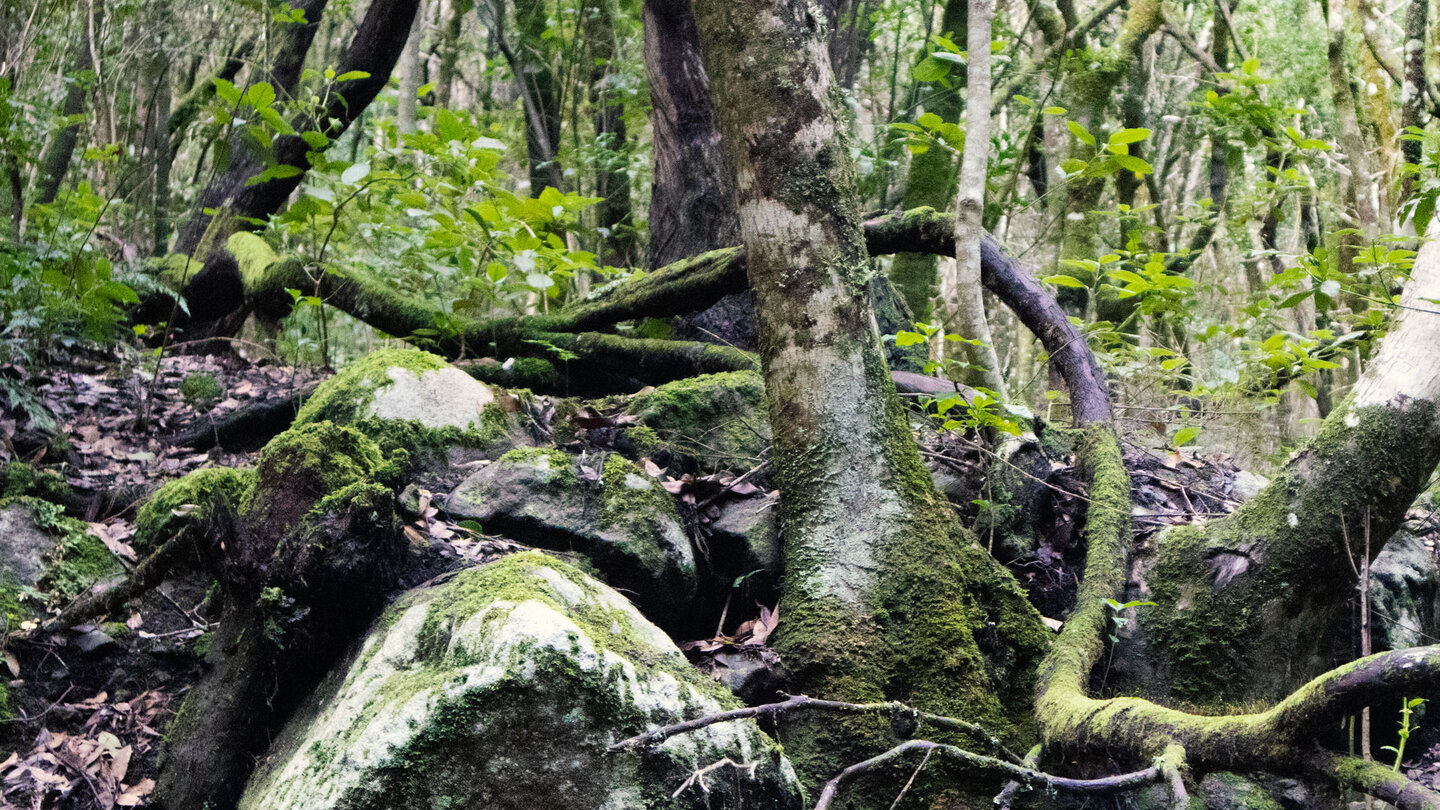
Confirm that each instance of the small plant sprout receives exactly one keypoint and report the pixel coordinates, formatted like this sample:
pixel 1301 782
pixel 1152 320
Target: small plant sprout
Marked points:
pixel 1408 710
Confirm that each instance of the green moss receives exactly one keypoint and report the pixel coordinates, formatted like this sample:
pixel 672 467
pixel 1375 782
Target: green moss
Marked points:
pixel 18 478
pixel 77 561
pixel 200 389
pixel 117 630
pixel 343 398
pixel 718 417
pixel 630 501
pixel 557 466
pixel 156 521
pixel 7 712
pixel 303 465
pixel 1245 605
pixel 253 254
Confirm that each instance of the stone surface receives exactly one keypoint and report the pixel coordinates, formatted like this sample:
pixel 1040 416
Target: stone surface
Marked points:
pixel 1404 584
pixel 446 397
pixel 23 546
pixel 618 517
pixel 502 688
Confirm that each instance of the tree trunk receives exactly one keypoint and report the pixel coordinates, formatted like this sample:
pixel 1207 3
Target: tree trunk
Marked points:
pixel 692 196
pixel 409 69
pixel 1412 92
pixel 962 293
pixel 882 587
pixel 57 156
pixel 1246 604
pixel 530 61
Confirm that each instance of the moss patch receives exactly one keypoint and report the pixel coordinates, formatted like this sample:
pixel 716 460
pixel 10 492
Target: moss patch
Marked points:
pixel 156 520
pixel 18 478
pixel 342 399
pixel 718 417
pixel 304 464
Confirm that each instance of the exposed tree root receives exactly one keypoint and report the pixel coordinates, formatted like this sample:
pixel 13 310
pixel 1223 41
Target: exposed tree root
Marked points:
pixel 150 572
pixel 1376 780
pixel 247 428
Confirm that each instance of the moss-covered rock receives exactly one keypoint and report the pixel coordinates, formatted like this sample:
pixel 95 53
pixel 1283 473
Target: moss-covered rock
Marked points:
pixel 717 419
pixel 407 398
pixel 502 688
pixel 18 478
pixel 45 556
pixel 625 522
pixel 164 512
pixel 1405 593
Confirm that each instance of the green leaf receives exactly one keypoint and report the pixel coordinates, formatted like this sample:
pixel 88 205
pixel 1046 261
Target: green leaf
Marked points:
pixel 351 76
pixel 909 339
pixel 1064 281
pixel 260 95
pixel 1132 135
pixel 930 69
pixel 1185 435
pixel 1080 132
pixel 227 91
pixel 1053 111
pixel 1134 164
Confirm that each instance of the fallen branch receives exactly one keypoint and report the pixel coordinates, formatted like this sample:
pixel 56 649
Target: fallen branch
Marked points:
pixel 247 428
pixel 1376 780
pixel 149 573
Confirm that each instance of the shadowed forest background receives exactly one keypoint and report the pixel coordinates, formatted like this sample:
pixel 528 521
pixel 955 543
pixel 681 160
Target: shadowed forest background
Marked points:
pixel 684 403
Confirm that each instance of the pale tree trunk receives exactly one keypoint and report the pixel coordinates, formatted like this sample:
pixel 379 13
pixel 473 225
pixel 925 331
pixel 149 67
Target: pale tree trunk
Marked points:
pixel 962 293
pixel 868 541
pixel 1412 91
pixel 409 70
pixel 55 160
pixel 1357 186
pixel 1374 104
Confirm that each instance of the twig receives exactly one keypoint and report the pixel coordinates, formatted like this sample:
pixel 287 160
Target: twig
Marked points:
pixel 1108 784
pixel 770 711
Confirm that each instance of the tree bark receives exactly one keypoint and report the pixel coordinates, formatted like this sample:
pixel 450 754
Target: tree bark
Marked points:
pixel 55 161
pixel 409 69
pixel 692 195
pixel 1413 90
pixel 866 535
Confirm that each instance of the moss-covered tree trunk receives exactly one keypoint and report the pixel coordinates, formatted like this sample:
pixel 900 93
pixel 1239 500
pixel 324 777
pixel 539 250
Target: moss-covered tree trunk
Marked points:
pixel 882 588
pixel 1251 605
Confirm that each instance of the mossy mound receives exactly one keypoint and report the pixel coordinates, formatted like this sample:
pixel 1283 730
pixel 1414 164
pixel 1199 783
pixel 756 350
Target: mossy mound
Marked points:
pixel 624 522
pixel 306 464
pixel 502 688
pixel 18 479
pixel 717 419
pixel 157 519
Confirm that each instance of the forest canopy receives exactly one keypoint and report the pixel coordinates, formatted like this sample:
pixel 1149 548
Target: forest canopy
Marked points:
pixel 858 403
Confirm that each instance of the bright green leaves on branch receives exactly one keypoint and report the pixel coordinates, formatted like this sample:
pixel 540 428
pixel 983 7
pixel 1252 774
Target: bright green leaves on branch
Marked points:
pixel 1111 157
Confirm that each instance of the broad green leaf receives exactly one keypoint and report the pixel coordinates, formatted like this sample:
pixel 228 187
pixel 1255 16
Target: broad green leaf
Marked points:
pixel 1080 132
pixel 1132 135
pixel 1185 435
pixel 351 76
pixel 1064 281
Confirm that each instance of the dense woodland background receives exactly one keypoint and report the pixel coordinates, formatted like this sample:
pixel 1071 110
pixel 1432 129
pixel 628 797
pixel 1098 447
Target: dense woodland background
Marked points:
pixel 1260 172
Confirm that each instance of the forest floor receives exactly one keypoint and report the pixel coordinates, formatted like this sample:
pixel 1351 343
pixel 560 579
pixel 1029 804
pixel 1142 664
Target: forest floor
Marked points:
pixel 90 703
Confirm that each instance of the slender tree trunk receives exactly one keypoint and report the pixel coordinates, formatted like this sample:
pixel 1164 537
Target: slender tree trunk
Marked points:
pixel 1357 185
pixel 931 181
pixel 692 194
pixel 612 168
pixel 160 153
pixel 409 69
pixel 962 292
pixel 449 50
pixel 55 161
pixel 531 61
pixel 866 535
pixel 1413 91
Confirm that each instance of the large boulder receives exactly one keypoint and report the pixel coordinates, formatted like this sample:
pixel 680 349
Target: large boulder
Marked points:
pixel 621 519
pixel 712 421
pixel 502 688
pixel 1404 585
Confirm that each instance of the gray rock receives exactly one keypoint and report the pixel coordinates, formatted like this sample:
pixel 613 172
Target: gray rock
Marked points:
pixel 1247 485
pixel 746 536
pixel 502 688
pixel 618 517
pixel 1404 583
pixel 23 546
pixel 1232 791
